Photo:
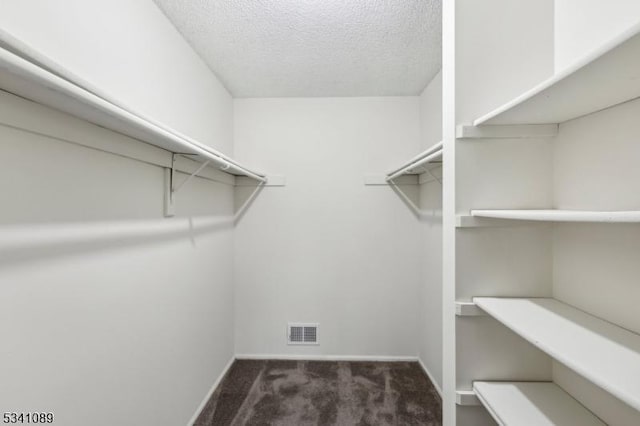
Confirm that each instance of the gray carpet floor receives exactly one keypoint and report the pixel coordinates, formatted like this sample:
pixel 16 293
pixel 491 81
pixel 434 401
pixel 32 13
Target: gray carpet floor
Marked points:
pixel 305 393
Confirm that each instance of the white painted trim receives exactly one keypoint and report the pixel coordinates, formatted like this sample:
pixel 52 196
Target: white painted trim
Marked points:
pixel 297 357
pixel 449 122
pixel 211 391
pixel 430 376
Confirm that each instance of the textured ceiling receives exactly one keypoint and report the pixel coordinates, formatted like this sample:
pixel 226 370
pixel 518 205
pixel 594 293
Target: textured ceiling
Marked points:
pixel 281 48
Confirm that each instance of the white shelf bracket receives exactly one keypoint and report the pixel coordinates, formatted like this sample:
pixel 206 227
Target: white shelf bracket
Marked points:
pixel 171 189
pixel 468 309
pixel 467 397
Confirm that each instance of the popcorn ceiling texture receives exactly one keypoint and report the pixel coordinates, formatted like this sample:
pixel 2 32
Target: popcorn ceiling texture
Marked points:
pixel 311 48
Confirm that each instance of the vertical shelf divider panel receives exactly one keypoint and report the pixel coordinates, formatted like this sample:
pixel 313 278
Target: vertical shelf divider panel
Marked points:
pixel 496 166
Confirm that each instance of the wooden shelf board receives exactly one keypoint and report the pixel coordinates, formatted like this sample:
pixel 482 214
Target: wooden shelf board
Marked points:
pixel 551 215
pixel 608 76
pixel 533 404
pixel 600 351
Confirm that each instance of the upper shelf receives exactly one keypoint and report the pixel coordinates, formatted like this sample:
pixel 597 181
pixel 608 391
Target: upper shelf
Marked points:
pixel 608 76
pixel 30 75
pixel 419 163
pixel 600 351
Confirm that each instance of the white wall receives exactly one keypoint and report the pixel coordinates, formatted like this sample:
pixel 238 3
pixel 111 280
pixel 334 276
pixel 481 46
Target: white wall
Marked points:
pixel 326 248
pixel 113 314
pixel 595 266
pixel 431 206
pixel 130 50
pixel 431 112
pixel 582 25
pixel 503 47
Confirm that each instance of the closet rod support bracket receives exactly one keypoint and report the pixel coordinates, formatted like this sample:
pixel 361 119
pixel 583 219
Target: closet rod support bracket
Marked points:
pixel 171 188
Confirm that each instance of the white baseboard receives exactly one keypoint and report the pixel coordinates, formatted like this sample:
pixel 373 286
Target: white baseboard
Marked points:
pixel 211 391
pixel 296 357
pixel 428 373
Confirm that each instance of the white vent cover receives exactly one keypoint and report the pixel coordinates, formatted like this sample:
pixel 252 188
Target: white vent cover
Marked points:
pixel 302 334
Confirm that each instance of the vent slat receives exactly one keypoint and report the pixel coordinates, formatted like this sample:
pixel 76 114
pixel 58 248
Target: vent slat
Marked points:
pixel 302 334
pixel 310 334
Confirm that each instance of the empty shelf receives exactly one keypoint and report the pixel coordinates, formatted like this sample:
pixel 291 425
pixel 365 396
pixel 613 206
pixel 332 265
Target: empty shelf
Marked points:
pixel 600 351
pixel 606 77
pixel 45 82
pixel 532 404
pixel 560 215
pixel 418 164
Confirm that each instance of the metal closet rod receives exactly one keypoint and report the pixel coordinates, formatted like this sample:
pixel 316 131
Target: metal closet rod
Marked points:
pixel 20 59
pixel 423 154
pixel 420 161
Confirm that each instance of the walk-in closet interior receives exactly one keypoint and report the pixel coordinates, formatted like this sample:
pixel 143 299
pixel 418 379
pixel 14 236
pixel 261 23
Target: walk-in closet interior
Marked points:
pixel 319 212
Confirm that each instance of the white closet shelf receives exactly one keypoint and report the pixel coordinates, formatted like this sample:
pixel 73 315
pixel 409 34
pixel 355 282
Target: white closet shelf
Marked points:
pixel 532 404
pixel 629 216
pixel 608 76
pixel 30 75
pixel 418 164
pixel 600 351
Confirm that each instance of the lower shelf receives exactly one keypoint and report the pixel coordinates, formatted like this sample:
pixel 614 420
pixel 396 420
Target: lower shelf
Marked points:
pixel 604 353
pixel 532 404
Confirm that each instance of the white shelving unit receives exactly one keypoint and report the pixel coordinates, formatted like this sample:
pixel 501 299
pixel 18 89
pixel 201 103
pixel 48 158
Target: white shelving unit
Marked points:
pixel 540 148
pixel 603 353
pixel 532 404
pixel 552 216
pixel 604 78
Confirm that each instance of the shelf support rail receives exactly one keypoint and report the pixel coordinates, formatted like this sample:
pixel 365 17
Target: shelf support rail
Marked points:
pixel 171 189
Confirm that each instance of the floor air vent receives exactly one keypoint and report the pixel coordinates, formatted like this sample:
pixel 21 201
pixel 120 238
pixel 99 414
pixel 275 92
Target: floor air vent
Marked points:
pixel 302 334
